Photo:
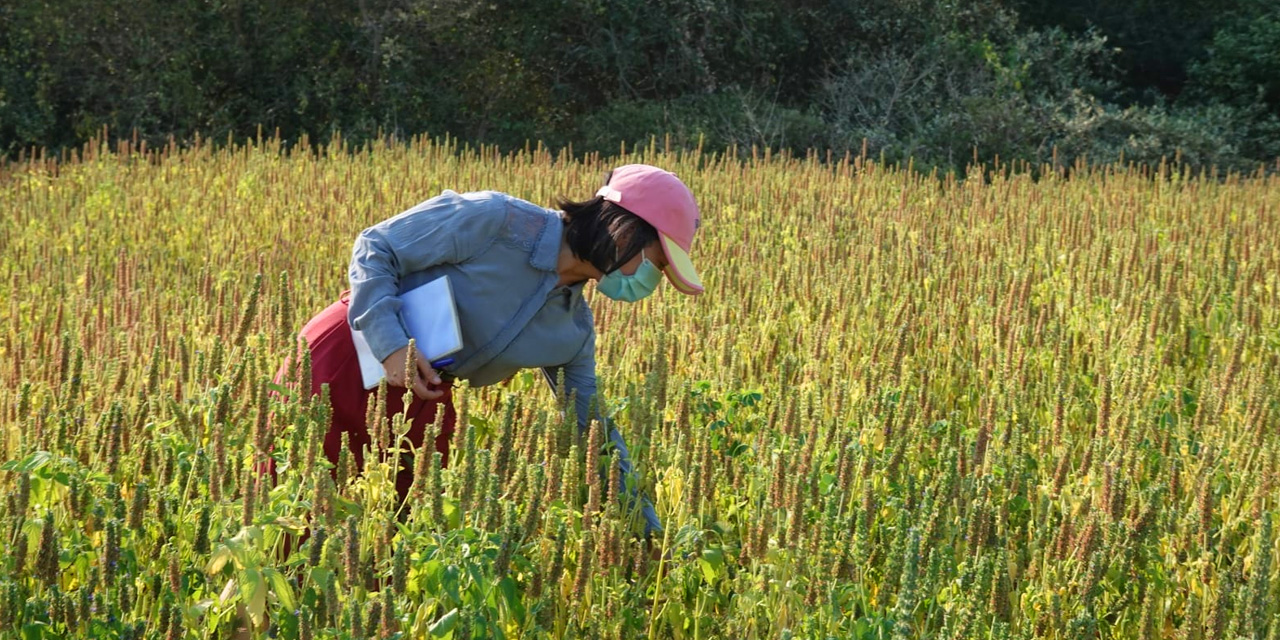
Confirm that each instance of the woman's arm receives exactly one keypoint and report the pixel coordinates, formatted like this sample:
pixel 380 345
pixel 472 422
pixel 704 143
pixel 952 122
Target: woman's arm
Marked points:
pixel 449 228
pixel 580 382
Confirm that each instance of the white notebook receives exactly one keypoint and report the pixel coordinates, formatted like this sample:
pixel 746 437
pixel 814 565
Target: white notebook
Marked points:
pixel 431 316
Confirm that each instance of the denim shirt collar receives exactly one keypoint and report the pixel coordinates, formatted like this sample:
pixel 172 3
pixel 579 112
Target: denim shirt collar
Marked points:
pixel 546 252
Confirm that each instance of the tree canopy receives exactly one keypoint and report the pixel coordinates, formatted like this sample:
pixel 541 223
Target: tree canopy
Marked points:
pixel 933 80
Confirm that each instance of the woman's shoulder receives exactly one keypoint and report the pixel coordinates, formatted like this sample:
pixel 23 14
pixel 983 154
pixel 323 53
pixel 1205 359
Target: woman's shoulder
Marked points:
pixel 523 223
pixel 473 206
pixel 492 215
pixel 496 203
pixel 476 210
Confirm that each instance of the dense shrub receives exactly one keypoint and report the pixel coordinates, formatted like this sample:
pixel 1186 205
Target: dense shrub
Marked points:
pixel 943 100
pixel 940 82
pixel 728 118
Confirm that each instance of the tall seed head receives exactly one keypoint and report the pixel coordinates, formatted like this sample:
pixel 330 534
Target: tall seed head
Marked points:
pixel 138 508
pixel 318 538
pixel 510 537
pixel 533 505
pixel 175 574
pixel 436 497
pixel 1204 507
pixel 557 564
pixel 249 494
pixel 584 566
pixel 469 473
pixel 111 554
pixel 1260 579
pixel 305 623
pixel 175 624
pixel 47 569
pixel 571 474
pixel 410 372
pixel 388 626
pixel 357 622
pixel 1219 611
pixel 284 311
pixel 351 553
pixel 23 496
pixel 249 313
pixel 399 568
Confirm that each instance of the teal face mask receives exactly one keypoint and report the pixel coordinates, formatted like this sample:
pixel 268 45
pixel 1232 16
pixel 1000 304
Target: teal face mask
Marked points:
pixel 630 288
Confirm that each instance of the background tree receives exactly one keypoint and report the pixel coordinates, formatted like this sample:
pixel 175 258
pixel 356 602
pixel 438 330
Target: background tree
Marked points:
pixel 926 79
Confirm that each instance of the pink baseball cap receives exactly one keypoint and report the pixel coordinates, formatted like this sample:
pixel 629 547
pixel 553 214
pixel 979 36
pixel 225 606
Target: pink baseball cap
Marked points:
pixel 661 199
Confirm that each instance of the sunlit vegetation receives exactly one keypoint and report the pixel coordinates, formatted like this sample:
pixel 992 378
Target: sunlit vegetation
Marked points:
pixel 908 406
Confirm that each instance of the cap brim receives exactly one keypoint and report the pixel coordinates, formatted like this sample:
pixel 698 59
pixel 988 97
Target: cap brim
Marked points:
pixel 680 269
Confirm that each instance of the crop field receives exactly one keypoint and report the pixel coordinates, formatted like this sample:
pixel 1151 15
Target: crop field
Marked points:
pixel 908 406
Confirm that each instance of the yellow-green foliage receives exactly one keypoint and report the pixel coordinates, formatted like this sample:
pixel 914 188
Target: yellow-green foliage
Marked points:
pixel 907 407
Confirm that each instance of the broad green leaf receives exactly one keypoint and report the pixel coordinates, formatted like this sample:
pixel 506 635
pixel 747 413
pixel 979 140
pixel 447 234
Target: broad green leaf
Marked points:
pixel 479 584
pixel 511 596
pixel 221 555
pixel 432 575
pixel 293 524
pixel 280 389
pixel 281 587
pixel 320 576
pixel 253 592
pixel 34 630
pixel 708 571
pixel 449 581
pixel 444 625
pixel 29 463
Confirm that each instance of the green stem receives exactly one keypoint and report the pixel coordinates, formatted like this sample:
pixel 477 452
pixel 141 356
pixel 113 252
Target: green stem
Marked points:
pixel 657 587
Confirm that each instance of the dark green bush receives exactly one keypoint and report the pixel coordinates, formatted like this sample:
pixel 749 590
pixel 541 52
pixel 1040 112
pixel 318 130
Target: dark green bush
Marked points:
pixel 933 80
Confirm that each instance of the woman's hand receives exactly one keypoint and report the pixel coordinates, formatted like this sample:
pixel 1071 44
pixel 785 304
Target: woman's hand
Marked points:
pixel 423 375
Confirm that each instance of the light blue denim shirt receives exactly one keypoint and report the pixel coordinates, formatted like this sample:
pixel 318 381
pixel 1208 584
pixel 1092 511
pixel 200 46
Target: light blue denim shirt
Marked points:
pixel 500 254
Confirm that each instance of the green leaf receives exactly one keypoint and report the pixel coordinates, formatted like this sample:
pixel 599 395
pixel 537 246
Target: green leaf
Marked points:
pixel 714 556
pixel 344 507
pixel 253 591
pixel 452 515
pixel 826 482
pixel 449 581
pixel 284 391
pixel 286 625
pixel 444 625
pixel 28 464
pixel 221 555
pixel 33 631
pixel 432 573
pixel 321 576
pixel 479 585
pixel 481 627
pixel 1019 504
pixel 281 587
pixel 711 563
pixel 293 524
pixel 512 597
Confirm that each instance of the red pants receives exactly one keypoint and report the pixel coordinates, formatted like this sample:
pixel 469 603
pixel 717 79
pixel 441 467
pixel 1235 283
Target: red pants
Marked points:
pixel 334 362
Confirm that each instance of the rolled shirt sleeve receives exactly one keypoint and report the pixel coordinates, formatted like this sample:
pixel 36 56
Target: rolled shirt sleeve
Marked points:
pixel 580 383
pixel 446 229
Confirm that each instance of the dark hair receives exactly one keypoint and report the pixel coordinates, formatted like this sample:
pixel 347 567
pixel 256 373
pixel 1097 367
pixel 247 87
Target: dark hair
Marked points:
pixel 603 233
